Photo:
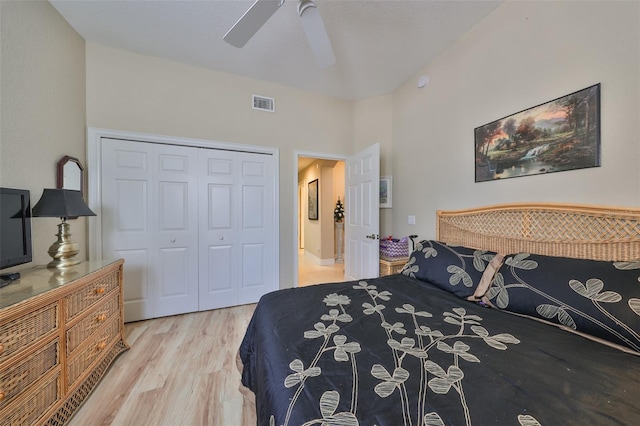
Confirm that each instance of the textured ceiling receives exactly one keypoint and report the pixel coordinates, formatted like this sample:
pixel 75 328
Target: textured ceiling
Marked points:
pixel 378 44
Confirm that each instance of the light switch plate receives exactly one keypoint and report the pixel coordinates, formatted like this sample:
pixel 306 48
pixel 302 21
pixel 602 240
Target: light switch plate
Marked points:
pixel 411 220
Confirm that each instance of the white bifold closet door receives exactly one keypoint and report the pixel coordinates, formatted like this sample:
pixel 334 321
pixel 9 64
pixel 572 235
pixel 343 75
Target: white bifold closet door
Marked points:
pixel 194 225
pixel 237 238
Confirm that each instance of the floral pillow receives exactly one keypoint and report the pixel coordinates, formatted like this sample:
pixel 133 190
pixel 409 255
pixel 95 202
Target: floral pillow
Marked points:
pixel 455 269
pixel 598 298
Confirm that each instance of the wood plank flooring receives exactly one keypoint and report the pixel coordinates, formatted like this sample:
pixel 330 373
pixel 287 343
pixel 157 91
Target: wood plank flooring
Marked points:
pixel 180 370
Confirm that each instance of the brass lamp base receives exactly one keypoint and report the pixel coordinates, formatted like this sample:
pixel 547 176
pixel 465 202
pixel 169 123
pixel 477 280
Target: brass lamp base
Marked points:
pixel 63 251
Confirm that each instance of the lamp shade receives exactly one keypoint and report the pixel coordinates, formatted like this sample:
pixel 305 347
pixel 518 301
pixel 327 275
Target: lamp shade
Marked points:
pixel 62 203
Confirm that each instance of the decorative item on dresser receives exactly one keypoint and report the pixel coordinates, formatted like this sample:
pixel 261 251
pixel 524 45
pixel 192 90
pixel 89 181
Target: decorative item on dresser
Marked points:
pixel 65 204
pixel 59 332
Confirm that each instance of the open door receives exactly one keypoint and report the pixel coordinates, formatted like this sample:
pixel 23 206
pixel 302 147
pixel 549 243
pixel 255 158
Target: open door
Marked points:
pixel 362 202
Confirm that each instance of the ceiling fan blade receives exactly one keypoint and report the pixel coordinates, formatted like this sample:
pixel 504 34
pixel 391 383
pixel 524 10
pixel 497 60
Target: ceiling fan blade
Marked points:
pixel 316 34
pixel 252 20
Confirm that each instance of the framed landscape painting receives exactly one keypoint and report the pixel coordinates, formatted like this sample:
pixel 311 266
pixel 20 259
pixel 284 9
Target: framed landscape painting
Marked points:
pixel 562 134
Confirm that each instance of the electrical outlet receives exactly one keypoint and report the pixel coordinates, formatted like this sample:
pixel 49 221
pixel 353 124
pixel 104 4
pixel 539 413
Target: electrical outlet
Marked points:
pixel 411 220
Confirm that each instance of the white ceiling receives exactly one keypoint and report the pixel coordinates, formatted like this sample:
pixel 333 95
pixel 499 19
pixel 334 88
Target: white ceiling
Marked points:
pixel 378 44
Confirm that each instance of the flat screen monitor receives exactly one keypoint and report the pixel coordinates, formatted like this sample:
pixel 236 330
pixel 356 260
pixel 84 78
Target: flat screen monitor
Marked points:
pixel 15 227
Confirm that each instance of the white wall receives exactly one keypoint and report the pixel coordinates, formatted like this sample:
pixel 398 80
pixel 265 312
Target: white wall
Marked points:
pixel 373 123
pixel 42 108
pixel 520 55
pixel 126 91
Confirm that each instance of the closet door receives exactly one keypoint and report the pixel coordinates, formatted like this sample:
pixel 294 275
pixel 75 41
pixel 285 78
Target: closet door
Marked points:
pixel 237 232
pixel 149 218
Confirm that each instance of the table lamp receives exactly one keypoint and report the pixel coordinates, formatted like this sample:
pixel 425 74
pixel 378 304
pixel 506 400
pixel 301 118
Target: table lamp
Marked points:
pixel 62 203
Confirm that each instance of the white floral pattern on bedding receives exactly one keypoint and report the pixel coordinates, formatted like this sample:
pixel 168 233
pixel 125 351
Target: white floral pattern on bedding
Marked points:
pixel 455 269
pixel 409 339
pixel 595 297
pixel 398 351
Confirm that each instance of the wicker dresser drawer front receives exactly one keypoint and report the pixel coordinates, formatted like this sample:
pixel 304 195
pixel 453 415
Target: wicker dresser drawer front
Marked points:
pixel 90 294
pixel 100 342
pixel 20 376
pixel 28 328
pixel 85 328
pixel 30 409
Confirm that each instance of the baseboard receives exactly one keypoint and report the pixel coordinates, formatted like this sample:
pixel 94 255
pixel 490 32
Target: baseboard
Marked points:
pixel 319 261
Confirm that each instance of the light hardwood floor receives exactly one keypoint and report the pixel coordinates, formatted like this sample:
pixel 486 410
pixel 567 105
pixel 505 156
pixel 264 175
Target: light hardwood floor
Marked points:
pixel 180 370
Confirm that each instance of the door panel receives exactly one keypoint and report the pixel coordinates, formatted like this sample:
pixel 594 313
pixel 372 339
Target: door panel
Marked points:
pixel 253 265
pixel 173 261
pixel 239 236
pixel 363 215
pixel 149 205
pixel 353 252
pixel 175 228
pixel 219 259
pixel 257 234
pixel 173 206
pixel 219 250
pixel 219 207
pixel 368 196
pixel 126 230
pixel 253 207
pixel 131 214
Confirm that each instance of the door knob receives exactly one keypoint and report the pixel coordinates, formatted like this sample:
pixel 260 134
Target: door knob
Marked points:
pixel 373 236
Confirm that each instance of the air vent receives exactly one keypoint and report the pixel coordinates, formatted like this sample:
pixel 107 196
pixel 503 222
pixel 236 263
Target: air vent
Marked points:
pixel 263 103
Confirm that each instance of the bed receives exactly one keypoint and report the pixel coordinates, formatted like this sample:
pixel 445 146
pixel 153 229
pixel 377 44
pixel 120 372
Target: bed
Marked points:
pixel 525 314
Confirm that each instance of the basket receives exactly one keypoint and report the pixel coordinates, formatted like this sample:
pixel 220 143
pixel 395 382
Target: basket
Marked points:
pixel 394 249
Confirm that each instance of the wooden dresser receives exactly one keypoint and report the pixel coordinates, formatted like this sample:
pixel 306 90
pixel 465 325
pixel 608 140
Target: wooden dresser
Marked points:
pixel 59 332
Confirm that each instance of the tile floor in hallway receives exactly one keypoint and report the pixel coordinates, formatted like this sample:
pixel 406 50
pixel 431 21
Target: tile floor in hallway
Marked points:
pixel 310 272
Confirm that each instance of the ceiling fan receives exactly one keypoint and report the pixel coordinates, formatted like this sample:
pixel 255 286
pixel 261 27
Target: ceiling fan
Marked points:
pixel 260 12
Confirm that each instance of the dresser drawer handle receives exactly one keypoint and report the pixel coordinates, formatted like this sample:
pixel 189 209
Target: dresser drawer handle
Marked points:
pixel 2 395
pixel 101 317
pixel 101 345
pixel 99 290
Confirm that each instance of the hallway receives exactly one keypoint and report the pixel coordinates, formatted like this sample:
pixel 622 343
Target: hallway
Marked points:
pixel 311 273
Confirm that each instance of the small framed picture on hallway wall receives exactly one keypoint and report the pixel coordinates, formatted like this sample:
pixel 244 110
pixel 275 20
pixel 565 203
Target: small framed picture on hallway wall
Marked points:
pixel 313 200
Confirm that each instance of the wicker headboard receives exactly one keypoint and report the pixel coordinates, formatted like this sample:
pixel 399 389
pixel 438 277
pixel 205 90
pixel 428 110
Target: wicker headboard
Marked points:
pixel 578 231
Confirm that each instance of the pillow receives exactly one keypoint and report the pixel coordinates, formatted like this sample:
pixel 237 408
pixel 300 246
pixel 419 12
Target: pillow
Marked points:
pixel 598 298
pixel 455 269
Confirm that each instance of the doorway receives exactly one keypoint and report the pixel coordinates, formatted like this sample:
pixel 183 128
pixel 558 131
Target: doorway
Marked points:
pixel 316 232
pixel 361 209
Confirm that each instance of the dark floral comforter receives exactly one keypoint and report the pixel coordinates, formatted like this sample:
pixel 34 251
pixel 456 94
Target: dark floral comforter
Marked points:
pixel 398 351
